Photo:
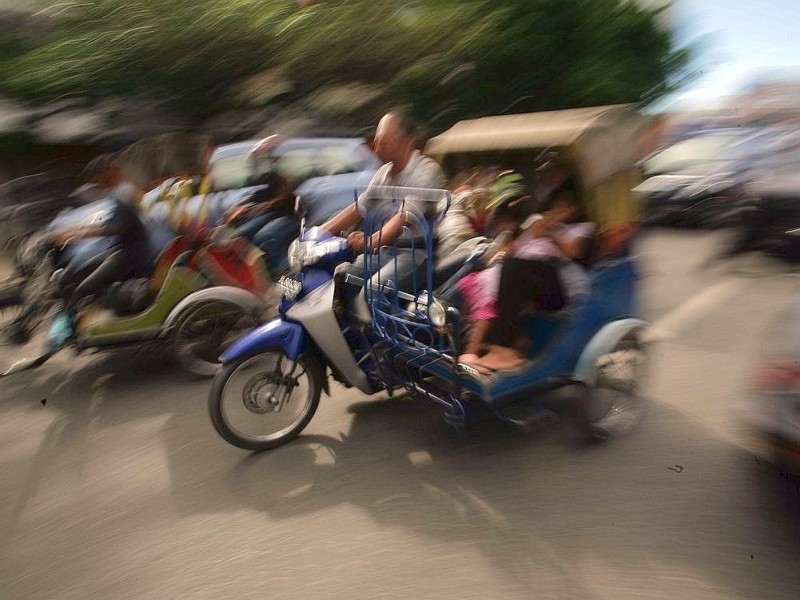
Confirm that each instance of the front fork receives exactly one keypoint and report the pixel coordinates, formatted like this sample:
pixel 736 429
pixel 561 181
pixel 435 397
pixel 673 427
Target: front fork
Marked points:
pixel 274 401
pixel 286 387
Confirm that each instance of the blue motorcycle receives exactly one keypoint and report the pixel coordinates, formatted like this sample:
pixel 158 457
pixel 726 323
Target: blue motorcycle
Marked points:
pixel 378 329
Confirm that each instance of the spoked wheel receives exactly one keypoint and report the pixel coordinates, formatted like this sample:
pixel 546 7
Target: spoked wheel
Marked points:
pixel 263 401
pixel 25 303
pixel 12 330
pixel 206 331
pixel 614 405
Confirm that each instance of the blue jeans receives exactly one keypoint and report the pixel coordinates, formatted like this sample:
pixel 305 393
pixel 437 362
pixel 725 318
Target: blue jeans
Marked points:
pixel 399 265
pixel 273 239
pixel 251 228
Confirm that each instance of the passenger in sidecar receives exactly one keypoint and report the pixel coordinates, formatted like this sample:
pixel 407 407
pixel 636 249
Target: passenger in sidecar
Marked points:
pixel 595 342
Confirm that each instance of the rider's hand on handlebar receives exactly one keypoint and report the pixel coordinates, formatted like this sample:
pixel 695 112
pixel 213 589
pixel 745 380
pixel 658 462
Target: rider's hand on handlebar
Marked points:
pixel 356 242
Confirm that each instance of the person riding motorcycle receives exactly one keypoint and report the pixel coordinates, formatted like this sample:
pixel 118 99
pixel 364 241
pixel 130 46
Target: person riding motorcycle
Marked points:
pixel 270 221
pixel 405 166
pixel 131 258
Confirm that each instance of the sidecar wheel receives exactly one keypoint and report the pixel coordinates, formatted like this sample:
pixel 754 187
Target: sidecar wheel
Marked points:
pixel 24 304
pixel 13 329
pixel 255 405
pixel 205 331
pixel 614 405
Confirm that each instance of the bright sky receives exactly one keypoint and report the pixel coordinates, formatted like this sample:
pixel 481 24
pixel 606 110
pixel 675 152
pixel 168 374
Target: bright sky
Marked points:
pixel 740 39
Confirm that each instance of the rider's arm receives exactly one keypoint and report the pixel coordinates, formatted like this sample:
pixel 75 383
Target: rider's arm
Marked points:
pixel 384 237
pixel 347 218
pixel 571 248
pixel 572 239
pixel 390 231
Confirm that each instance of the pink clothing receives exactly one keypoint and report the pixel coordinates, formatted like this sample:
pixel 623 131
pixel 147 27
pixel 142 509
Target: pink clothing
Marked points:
pixel 533 248
pixel 480 288
pixel 529 247
pixel 480 293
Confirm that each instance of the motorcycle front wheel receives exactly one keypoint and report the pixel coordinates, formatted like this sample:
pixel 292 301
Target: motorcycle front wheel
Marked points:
pixel 265 400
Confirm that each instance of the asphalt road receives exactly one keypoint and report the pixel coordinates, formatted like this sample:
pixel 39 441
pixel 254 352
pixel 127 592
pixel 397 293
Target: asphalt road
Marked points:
pixel 114 485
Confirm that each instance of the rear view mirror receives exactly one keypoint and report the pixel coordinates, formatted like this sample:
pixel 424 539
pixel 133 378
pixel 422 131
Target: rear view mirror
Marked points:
pixel 300 213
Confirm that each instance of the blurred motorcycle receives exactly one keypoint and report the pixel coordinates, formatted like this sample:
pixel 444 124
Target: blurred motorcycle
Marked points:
pixel 203 292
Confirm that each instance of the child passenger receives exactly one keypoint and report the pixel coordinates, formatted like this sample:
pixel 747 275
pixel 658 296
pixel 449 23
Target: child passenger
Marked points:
pixel 545 241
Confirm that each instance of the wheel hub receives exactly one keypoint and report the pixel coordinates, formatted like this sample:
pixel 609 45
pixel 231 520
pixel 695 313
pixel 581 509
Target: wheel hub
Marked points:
pixel 267 392
pixel 260 395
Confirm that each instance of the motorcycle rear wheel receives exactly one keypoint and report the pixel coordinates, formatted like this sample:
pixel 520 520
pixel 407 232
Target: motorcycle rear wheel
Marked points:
pixel 25 302
pixel 205 331
pixel 262 401
pixel 12 330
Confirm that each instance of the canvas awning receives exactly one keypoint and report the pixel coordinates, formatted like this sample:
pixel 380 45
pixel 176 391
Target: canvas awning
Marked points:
pixel 531 130
pixel 603 140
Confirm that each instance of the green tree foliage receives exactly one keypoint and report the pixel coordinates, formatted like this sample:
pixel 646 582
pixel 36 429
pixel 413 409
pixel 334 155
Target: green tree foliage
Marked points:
pixel 446 59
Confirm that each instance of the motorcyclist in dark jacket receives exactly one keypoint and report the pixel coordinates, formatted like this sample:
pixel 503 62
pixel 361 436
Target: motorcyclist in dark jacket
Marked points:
pixel 131 258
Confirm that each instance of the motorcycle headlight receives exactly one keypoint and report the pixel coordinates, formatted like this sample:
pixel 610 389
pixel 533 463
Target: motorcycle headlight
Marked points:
pixel 436 312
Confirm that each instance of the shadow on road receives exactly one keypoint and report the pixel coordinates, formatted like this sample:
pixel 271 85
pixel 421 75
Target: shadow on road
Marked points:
pixel 537 507
pixel 83 395
pixel 637 513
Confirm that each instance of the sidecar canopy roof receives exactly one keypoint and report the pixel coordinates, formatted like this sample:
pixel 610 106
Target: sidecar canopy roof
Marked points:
pixel 521 131
pixel 602 140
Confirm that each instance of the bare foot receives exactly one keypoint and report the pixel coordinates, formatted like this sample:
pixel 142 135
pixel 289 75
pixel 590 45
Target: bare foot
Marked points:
pixel 468 359
pixel 501 359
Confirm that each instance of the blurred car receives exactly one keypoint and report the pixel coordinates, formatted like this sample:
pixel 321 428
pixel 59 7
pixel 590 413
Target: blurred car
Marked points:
pixel 768 214
pixel 770 411
pixel 698 180
pixel 331 171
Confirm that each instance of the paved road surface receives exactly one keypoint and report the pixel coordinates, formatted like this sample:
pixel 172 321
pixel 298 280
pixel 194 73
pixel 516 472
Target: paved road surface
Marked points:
pixel 117 486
